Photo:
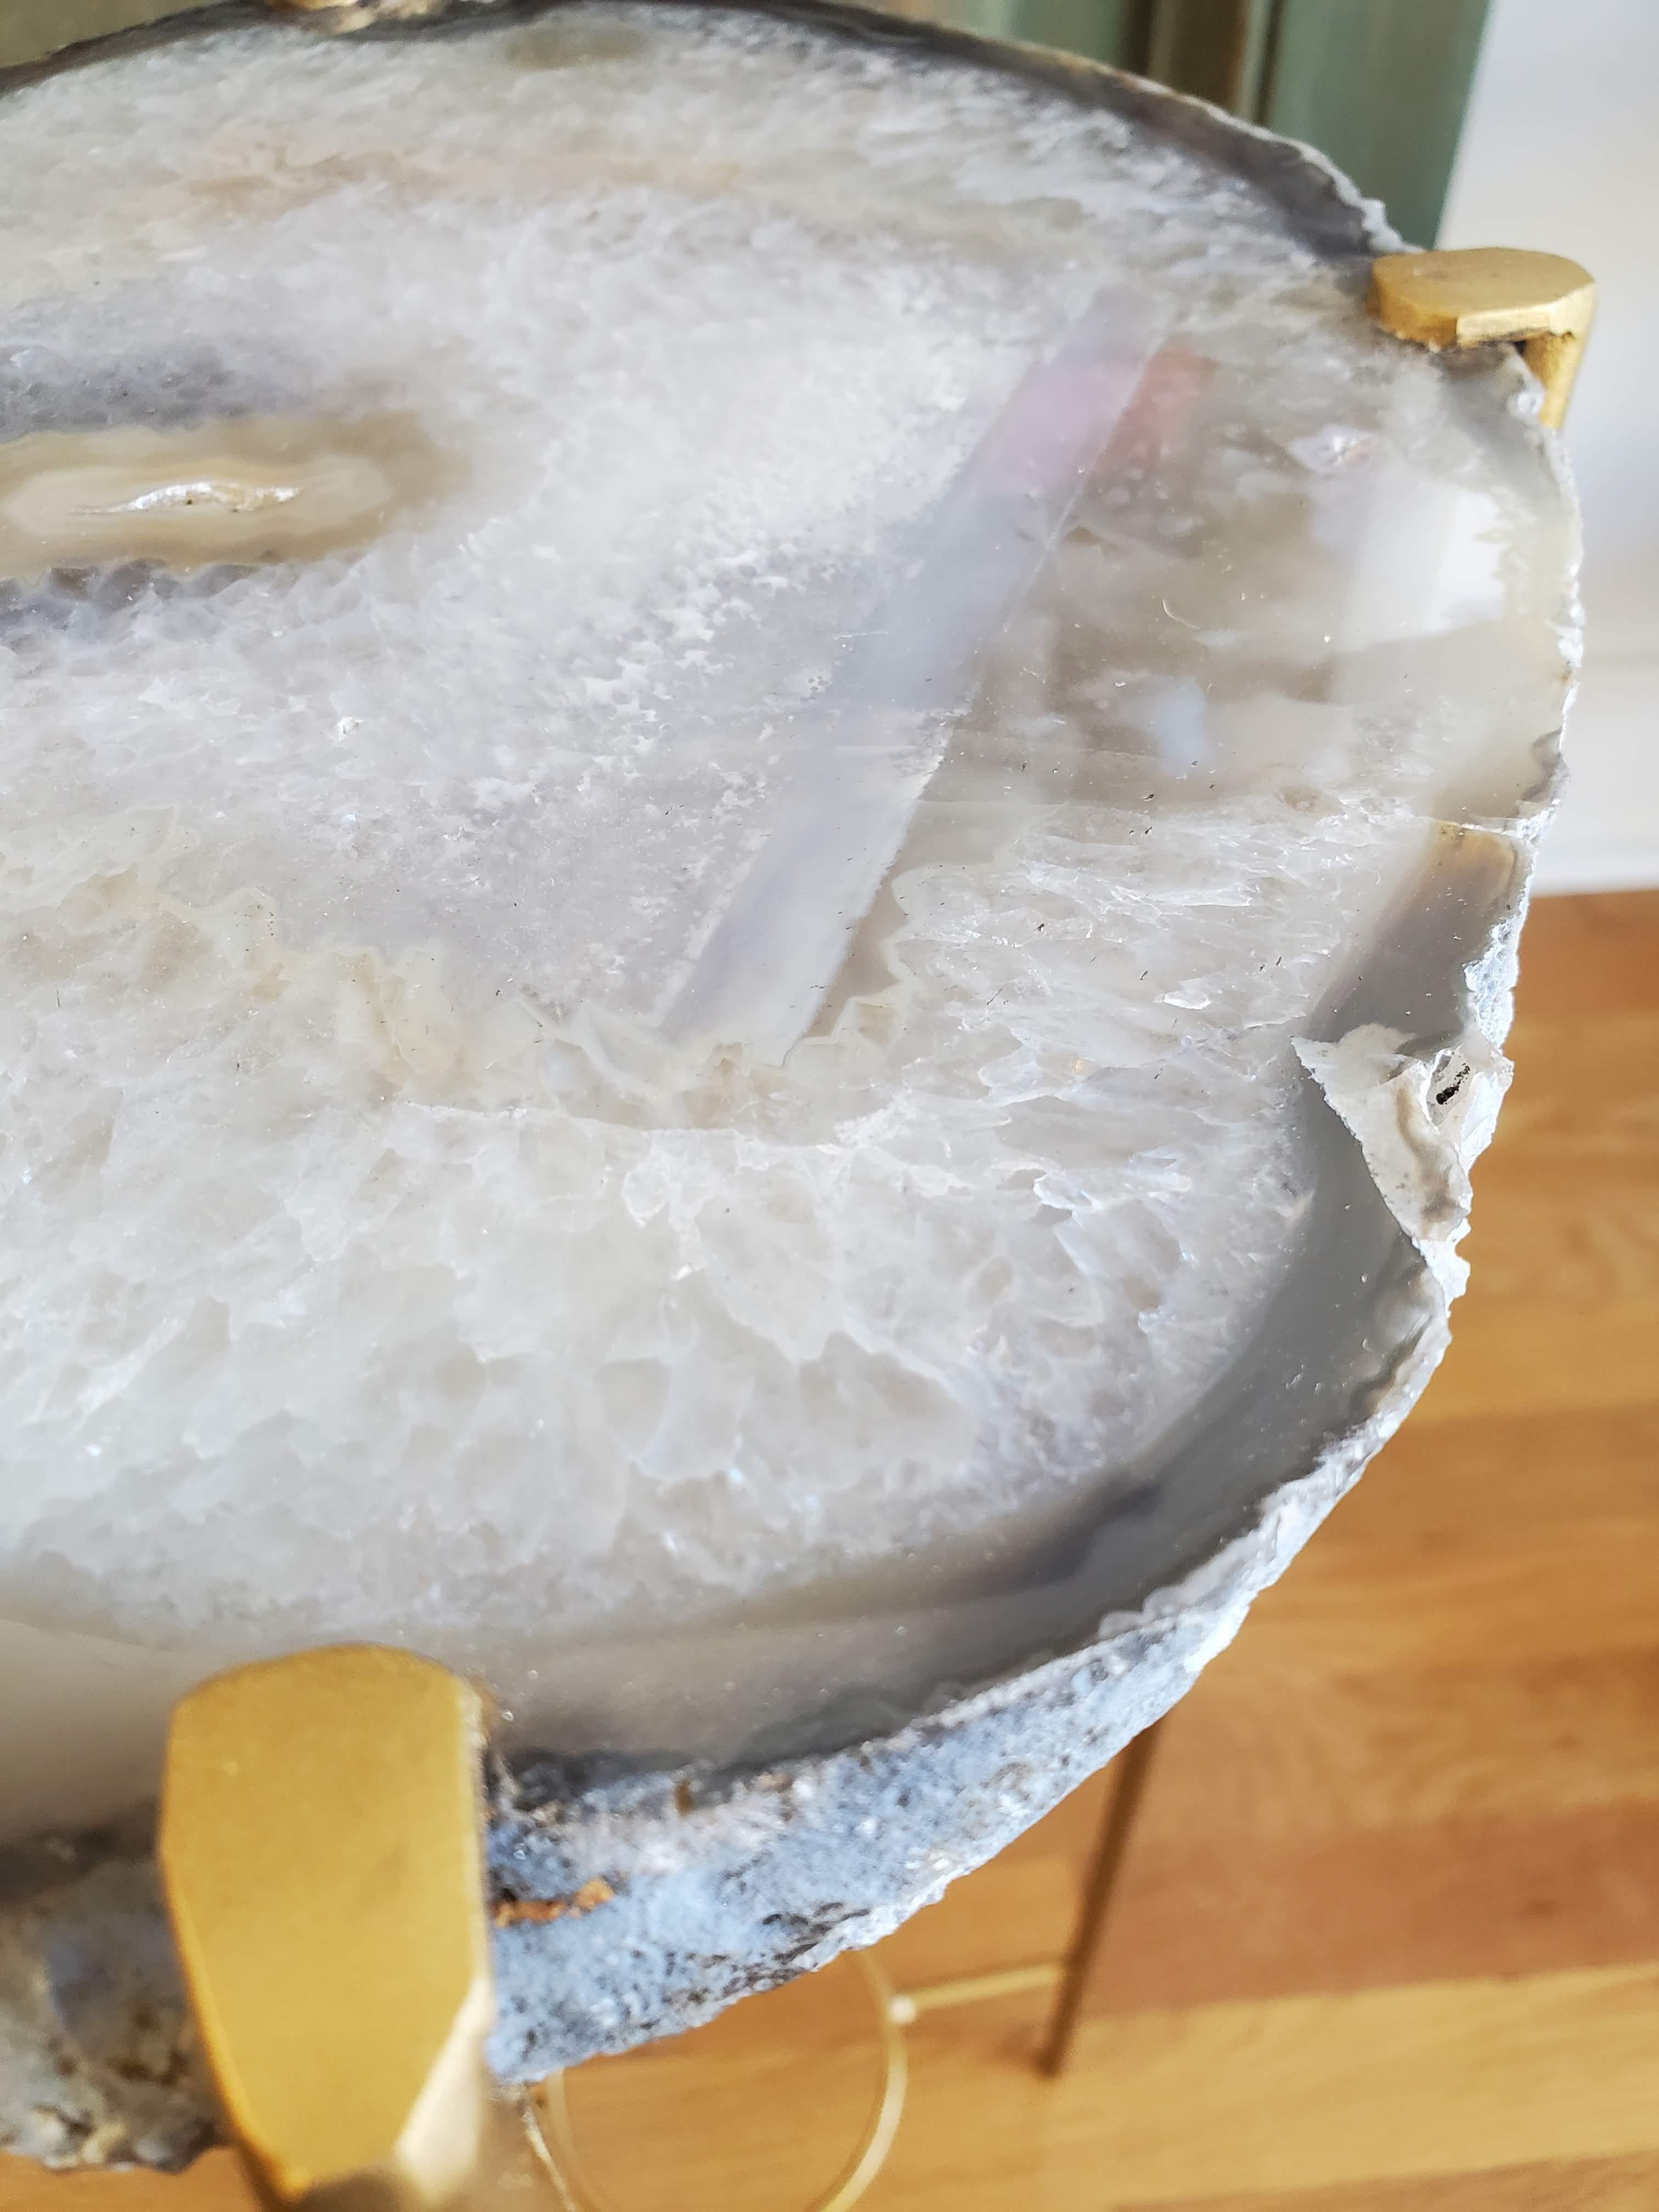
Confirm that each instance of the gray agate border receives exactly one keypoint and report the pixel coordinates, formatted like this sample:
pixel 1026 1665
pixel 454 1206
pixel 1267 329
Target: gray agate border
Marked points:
pixel 726 1880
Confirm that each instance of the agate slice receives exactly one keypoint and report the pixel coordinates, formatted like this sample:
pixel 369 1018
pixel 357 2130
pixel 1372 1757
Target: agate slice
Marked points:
pixel 767 791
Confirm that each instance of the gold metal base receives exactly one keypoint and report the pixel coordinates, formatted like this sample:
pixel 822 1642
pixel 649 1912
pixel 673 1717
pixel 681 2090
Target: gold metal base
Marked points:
pixel 1477 295
pixel 579 2193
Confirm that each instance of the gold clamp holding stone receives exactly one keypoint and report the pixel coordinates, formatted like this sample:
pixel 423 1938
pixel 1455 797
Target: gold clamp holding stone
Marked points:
pixel 321 1849
pixel 1482 294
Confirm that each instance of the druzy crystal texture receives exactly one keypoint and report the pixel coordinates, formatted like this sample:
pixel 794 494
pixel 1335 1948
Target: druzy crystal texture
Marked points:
pixel 766 796
pixel 445 484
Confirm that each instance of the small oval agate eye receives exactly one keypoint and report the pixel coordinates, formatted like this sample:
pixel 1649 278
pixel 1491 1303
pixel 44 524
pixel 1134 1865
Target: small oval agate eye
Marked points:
pixel 244 489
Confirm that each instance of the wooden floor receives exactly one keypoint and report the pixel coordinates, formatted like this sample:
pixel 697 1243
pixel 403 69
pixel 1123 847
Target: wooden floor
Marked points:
pixel 1388 1939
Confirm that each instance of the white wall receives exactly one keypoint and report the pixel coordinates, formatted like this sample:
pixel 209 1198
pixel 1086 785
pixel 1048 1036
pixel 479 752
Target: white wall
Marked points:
pixel 1561 152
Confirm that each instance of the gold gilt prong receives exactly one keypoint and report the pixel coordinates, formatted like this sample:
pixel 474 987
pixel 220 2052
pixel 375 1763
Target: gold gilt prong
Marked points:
pixel 321 1851
pixel 1478 294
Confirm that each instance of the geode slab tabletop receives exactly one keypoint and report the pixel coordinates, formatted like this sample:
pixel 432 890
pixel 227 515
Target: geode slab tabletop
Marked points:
pixel 766 796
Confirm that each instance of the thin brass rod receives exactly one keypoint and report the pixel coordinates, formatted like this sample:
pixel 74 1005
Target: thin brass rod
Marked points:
pixel 579 2193
pixel 976 1989
pixel 1134 1764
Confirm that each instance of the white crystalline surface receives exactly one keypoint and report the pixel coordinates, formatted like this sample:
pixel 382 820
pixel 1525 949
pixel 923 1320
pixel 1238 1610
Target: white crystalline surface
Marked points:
pixel 370 1267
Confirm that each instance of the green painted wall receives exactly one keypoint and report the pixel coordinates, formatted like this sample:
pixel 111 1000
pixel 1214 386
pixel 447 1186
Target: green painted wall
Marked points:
pixel 1379 86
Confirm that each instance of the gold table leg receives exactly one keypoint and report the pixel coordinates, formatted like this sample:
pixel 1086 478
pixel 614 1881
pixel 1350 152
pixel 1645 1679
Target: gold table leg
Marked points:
pixel 1134 1764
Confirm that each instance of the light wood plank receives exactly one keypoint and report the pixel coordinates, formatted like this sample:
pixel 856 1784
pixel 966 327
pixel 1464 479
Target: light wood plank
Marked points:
pixel 1515 1359
pixel 1485 1471
pixel 1259 1753
pixel 1613 2185
pixel 1513 1597
pixel 1222 1915
pixel 1297 2092
pixel 1591 958
pixel 214 2184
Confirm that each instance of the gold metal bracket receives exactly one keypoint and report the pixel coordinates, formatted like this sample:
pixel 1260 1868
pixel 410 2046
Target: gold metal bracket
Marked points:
pixel 1480 294
pixel 321 1854
pixel 321 1851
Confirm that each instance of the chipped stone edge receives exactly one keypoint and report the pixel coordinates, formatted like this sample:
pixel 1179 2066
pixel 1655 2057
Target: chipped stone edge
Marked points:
pixel 668 1897
pixel 783 1872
